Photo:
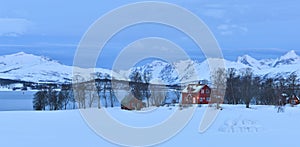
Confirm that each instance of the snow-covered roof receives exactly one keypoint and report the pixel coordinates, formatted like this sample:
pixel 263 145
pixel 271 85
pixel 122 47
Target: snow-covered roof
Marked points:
pixel 295 97
pixel 193 88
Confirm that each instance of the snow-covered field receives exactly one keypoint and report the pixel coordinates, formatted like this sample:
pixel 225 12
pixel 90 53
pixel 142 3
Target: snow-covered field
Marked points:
pixel 234 126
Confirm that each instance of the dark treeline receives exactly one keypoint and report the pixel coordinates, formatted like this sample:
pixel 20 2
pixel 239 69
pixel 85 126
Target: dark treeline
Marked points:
pixel 51 98
pixel 102 90
pixel 75 96
pixel 243 87
pixel 81 94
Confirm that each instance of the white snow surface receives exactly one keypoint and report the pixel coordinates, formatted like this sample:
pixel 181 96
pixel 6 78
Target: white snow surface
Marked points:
pixel 235 126
pixel 194 88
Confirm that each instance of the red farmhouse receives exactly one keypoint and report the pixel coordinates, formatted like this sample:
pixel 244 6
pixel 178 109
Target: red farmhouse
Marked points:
pixel 196 94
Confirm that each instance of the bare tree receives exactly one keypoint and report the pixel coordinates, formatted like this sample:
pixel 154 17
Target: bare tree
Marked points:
pixel 147 77
pixel 99 88
pixel 79 91
pixel 105 82
pixel 136 84
pixel 293 83
pixel 40 100
pixel 91 93
pixel 104 90
pixel 64 98
pixel 52 99
pixel 247 86
pixel 232 86
pixel 158 94
pixel 219 85
pixel 111 92
pixel 178 94
pixel 267 94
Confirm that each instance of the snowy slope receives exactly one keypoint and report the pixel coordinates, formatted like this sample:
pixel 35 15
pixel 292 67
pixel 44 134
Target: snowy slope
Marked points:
pixel 31 68
pixel 235 126
pixel 280 67
pixel 190 71
pixel 253 63
pixel 28 67
pixel 290 58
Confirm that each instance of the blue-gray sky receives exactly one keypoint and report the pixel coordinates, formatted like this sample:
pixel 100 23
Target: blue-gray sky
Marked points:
pixel 53 28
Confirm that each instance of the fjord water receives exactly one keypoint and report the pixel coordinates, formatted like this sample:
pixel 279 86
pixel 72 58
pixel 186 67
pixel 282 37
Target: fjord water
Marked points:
pixel 16 100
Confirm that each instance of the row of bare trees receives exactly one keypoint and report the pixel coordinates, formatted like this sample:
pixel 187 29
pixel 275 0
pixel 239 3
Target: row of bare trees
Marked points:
pixel 101 90
pixel 53 99
pixel 92 92
pixel 243 87
pixel 81 94
pixel 236 87
pixel 155 94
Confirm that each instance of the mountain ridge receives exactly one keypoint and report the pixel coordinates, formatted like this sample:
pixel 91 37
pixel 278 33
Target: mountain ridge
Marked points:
pixel 32 68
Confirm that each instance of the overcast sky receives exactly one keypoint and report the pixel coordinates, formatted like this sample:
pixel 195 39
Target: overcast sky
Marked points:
pixel 53 28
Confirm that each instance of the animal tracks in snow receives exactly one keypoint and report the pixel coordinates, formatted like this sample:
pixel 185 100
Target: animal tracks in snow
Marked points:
pixel 240 126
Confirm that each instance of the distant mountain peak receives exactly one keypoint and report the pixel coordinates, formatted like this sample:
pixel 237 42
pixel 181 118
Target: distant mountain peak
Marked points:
pixel 289 55
pixel 20 53
pixel 34 68
pixel 287 59
pixel 248 60
pixel 245 57
pixel 23 54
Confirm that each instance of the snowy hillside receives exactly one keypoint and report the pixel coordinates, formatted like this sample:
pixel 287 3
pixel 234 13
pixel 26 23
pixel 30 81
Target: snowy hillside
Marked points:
pixel 32 68
pixel 290 58
pixel 280 67
pixel 235 126
pixel 28 67
pixel 189 71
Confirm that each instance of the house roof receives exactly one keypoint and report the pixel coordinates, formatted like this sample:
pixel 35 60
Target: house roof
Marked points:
pixel 194 88
pixel 295 97
pixel 127 99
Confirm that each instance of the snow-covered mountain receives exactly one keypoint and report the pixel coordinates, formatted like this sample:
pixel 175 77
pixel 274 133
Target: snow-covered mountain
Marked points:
pixel 28 67
pixel 279 67
pixel 32 68
pixel 290 58
pixel 190 71
pixel 253 63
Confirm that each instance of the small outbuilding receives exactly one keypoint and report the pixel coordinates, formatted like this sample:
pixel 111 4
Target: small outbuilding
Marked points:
pixel 294 100
pixel 131 103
